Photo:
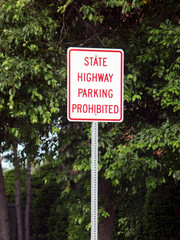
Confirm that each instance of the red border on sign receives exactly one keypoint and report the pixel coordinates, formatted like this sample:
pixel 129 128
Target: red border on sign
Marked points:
pixel 120 119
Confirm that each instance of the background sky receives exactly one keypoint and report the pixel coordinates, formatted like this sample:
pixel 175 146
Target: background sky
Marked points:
pixel 7 165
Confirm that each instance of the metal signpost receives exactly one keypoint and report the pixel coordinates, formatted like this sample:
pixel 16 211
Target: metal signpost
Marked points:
pixel 95 94
pixel 94 181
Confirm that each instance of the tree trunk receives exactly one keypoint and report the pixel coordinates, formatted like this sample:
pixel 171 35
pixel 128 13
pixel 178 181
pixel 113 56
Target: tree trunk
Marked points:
pixel 106 225
pixel 17 194
pixel 28 202
pixel 4 219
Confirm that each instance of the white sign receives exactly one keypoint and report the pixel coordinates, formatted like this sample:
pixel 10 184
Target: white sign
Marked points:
pixel 95 84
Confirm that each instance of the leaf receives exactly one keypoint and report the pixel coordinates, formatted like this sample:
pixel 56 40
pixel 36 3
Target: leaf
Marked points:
pixel 151 182
pixel 136 96
pixel 90 17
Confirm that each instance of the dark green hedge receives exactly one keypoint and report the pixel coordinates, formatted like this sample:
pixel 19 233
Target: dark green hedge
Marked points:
pixel 162 213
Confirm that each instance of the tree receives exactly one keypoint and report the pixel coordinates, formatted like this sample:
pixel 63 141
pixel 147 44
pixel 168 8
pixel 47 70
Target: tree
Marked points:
pixel 139 154
pixel 142 152
pixel 4 220
pixel 28 202
pixel 28 85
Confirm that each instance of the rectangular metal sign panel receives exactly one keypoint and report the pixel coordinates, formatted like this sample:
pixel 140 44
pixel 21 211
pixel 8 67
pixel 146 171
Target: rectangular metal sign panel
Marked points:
pixel 95 84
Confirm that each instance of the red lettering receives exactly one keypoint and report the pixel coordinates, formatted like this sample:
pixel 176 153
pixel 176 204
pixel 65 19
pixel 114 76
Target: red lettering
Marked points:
pixel 88 77
pixel 95 61
pixel 90 109
pixel 100 58
pixel 90 92
pixel 110 75
pixel 93 108
pixel 104 93
pixel 98 108
pixel 105 108
pixel 95 92
pixel 104 62
pixel 79 108
pixel 86 61
pixel 101 77
pixel 110 108
pixel 85 108
pixel 94 77
pixel 110 93
pixel 74 106
pixel 106 79
pixel 79 77
pixel 84 93
pixel 79 91
pixel 91 58
pixel 116 109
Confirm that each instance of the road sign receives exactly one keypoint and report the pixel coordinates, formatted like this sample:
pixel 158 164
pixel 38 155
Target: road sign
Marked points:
pixel 95 84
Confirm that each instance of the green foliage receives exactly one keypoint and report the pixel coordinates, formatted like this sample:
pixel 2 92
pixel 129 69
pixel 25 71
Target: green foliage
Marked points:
pixel 28 72
pixel 128 214
pixel 78 206
pixel 161 213
pixel 58 221
pixel 143 152
pixel 94 12
pixel 163 56
pixel 41 207
pixel 136 156
pixel 9 182
pixel 66 212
